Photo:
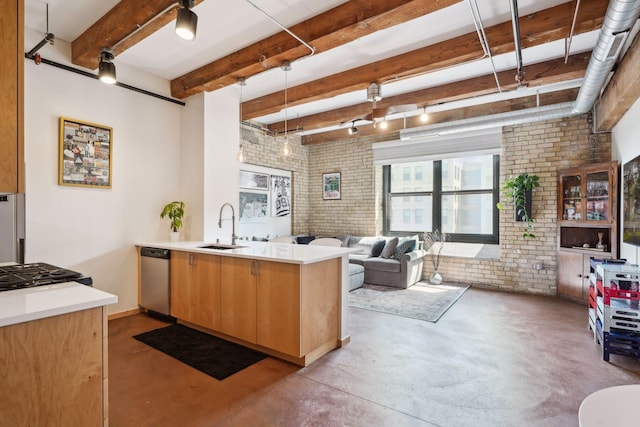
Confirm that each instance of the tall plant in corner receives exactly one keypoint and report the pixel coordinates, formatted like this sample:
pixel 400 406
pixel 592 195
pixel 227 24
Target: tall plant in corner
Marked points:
pixel 515 191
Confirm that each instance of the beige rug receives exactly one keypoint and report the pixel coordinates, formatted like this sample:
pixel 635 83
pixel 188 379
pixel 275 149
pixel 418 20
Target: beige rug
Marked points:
pixel 422 301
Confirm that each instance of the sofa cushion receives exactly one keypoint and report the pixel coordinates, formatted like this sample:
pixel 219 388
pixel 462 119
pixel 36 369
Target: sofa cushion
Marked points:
pixel 389 248
pixel 358 258
pixel 403 247
pixel 382 264
pixel 377 247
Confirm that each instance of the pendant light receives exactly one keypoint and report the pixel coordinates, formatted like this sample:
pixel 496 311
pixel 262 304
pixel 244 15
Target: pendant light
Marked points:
pixel 187 21
pixel 241 82
pixel 286 149
pixel 374 93
pixel 106 68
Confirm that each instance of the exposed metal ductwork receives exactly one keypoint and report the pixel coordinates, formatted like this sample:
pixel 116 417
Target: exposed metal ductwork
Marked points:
pixel 620 17
pixel 618 21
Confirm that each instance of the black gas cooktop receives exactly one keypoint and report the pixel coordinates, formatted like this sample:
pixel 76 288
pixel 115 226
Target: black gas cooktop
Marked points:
pixel 37 274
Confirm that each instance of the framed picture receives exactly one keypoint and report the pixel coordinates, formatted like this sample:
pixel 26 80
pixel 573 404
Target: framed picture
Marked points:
pixel 85 154
pixel 280 195
pixel 258 181
pixel 253 206
pixel 331 186
pixel 631 206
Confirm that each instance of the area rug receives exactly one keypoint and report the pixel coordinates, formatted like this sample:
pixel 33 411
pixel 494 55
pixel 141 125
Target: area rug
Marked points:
pixel 211 355
pixel 421 301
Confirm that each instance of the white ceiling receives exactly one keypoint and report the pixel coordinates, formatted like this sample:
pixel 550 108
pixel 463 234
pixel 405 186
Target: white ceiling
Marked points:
pixel 226 26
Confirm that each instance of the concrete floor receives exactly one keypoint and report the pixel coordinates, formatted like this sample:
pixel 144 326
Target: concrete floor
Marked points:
pixel 494 359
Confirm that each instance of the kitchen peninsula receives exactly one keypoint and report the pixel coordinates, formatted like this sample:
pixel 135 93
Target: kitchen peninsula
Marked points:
pixel 289 301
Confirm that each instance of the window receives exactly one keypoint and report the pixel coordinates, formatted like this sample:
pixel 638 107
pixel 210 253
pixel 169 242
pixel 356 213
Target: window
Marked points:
pixel 457 196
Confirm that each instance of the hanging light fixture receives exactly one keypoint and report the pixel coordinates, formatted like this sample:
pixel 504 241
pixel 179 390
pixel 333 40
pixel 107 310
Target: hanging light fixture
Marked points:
pixel 286 149
pixel 424 117
pixel 241 82
pixel 384 124
pixel 353 129
pixel 187 21
pixel 106 68
pixel 374 93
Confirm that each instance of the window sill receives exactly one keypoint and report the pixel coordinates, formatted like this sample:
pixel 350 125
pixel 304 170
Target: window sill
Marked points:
pixel 470 250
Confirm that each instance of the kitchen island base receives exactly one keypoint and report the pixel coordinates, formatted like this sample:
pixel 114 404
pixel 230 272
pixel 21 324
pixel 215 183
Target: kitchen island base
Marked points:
pixel 54 369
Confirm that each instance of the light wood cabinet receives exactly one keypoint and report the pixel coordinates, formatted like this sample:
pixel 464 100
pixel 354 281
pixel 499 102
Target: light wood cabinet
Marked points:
pixel 54 371
pixel 195 288
pixel 238 298
pixel 587 224
pixel 278 310
pixel 260 303
pixel 12 97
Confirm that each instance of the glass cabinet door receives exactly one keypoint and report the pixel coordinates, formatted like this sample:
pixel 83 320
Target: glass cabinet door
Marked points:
pixel 597 196
pixel 572 198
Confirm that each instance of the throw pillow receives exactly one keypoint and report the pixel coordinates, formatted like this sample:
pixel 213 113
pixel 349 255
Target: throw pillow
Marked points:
pixel 304 240
pixel 389 248
pixel 377 247
pixel 404 247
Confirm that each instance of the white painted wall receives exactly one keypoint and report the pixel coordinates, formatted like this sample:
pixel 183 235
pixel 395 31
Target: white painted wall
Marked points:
pixel 626 146
pixel 94 230
pixel 221 168
pixel 192 167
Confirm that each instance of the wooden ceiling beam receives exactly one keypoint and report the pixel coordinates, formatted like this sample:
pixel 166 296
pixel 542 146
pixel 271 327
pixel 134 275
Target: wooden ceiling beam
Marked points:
pixel 542 73
pixel 338 26
pixel 622 91
pixel 446 116
pixel 537 28
pixel 119 25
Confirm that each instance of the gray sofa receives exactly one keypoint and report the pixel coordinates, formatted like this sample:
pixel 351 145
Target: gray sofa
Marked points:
pixel 402 272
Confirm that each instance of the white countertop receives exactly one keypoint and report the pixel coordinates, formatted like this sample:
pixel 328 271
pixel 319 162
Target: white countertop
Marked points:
pixel 280 252
pixel 24 305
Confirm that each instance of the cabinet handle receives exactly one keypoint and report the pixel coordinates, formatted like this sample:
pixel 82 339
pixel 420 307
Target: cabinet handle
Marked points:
pixel 254 268
pixel 580 276
pixel 192 259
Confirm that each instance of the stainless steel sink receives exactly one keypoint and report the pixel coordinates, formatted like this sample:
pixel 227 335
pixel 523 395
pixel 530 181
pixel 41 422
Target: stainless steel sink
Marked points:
pixel 221 246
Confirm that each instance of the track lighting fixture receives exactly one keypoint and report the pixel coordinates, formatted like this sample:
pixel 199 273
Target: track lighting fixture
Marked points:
pixel 374 93
pixel 106 68
pixel 187 21
pixel 353 129
pixel 424 117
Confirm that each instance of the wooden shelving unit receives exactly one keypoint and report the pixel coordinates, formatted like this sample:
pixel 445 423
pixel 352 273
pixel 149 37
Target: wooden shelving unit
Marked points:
pixel 587 224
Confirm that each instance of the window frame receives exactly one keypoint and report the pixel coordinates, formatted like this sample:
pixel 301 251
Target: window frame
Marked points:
pixel 436 195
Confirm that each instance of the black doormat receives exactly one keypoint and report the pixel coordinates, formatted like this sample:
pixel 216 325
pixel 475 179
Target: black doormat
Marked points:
pixel 211 355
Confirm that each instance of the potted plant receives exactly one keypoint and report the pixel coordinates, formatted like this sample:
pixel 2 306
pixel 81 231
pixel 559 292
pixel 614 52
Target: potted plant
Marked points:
pixel 175 212
pixel 434 243
pixel 518 190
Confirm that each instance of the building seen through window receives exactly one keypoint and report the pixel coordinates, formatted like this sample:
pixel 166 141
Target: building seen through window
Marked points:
pixel 457 196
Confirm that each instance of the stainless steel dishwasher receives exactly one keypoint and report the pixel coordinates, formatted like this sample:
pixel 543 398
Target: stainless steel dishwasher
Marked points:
pixel 154 277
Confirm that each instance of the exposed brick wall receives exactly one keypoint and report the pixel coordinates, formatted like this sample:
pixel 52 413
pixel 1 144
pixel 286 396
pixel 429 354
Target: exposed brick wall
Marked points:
pixel 359 211
pixel 541 148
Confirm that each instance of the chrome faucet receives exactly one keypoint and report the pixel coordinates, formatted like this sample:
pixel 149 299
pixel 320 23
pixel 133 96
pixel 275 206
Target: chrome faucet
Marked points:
pixel 233 221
